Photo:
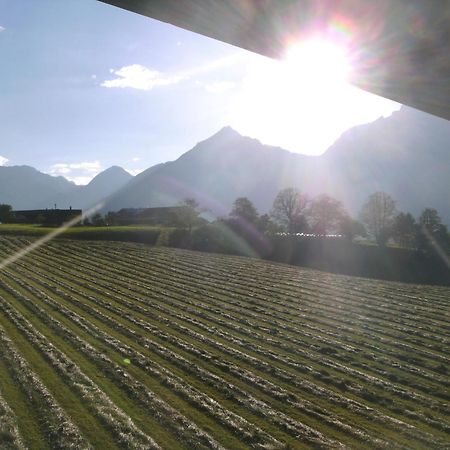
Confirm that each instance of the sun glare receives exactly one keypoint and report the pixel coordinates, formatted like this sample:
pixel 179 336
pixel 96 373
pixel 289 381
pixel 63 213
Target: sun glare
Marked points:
pixel 304 102
pixel 317 63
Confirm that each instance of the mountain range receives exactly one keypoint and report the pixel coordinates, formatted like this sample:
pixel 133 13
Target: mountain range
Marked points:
pixel 406 155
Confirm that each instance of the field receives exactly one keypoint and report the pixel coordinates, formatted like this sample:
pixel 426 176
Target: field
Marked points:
pixel 120 345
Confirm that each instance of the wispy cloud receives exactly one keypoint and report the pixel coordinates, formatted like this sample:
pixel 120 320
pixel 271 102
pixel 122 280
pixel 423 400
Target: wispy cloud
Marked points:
pixel 2 28
pixel 3 160
pixel 79 173
pixel 140 77
pixel 137 76
pixel 219 87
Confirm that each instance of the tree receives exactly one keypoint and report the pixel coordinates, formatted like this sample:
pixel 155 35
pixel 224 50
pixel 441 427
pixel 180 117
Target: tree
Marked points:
pixel 97 220
pixel 432 235
pixel 111 218
pixel 404 229
pixel 325 214
pixel 189 212
pixel 430 218
pixel 244 210
pixel 350 228
pixel 5 212
pixel 288 210
pixel 378 215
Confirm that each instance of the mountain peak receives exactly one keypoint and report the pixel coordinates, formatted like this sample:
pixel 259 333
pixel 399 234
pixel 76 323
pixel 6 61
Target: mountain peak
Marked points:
pixel 226 132
pixel 113 173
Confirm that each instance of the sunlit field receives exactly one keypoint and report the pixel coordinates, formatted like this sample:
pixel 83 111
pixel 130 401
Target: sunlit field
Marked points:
pixel 120 345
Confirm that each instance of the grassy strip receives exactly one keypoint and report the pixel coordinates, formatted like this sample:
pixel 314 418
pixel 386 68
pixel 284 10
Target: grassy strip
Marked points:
pixel 62 432
pixel 77 403
pixel 10 438
pixel 153 331
pixel 142 234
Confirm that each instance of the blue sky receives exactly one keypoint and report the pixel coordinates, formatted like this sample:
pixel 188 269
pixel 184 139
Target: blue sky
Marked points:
pixel 84 85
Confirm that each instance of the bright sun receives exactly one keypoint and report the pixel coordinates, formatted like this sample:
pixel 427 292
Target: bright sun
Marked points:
pixel 304 102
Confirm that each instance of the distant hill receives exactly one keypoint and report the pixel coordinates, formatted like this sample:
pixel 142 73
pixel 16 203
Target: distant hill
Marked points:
pixel 106 183
pixel 24 187
pixel 406 155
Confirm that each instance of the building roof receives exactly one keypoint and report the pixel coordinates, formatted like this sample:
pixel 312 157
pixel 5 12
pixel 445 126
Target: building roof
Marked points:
pixel 401 47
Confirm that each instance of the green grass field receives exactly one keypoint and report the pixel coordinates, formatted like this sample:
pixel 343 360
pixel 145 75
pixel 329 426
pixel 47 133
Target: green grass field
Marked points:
pixel 39 230
pixel 120 345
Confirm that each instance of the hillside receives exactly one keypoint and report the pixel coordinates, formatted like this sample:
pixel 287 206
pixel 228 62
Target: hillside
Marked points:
pixel 405 155
pixel 126 346
pixel 106 183
pixel 24 187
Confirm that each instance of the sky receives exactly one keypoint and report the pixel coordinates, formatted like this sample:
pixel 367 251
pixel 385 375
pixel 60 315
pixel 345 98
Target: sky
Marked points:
pixel 85 85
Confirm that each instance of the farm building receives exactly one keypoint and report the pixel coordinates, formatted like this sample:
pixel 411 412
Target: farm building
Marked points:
pixel 51 217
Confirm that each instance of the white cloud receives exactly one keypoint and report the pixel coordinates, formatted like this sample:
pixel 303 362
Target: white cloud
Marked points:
pixel 134 172
pixel 79 173
pixel 2 28
pixel 136 158
pixel 3 160
pixel 219 87
pixel 93 76
pixel 140 77
pixel 144 78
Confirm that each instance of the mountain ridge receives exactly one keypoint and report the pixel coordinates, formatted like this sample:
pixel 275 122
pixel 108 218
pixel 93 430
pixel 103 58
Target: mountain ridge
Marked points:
pixel 405 155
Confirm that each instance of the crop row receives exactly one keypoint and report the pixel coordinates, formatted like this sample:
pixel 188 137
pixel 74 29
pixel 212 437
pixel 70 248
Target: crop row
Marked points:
pixel 384 385
pixel 10 438
pixel 274 390
pixel 222 345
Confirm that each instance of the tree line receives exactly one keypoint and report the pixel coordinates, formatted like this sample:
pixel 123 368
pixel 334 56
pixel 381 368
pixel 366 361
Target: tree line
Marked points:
pixel 295 213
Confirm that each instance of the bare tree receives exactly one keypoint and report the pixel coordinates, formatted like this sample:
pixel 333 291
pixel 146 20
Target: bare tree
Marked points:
pixel 378 215
pixel 288 209
pixel 325 214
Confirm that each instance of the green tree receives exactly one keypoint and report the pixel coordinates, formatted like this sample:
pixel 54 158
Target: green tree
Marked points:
pixel 244 210
pixel 111 218
pixel 430 218
pixel 433 235
pixel 349 228
pixel 378 215
pixel 288 210
pixel 189 213
pixel 404 229
pixel 97 220
pixel 325 214
pixel 5 212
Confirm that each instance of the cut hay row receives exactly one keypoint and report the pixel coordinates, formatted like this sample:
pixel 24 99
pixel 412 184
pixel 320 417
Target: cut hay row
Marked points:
pixel 60 429
pixel 10 438
pixel 273 390
pixel 402 393
pixel 231 352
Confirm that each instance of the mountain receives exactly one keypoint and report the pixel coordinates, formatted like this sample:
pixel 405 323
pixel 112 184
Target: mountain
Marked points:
pixel 106 183
pixel 216 171
pixel 24 187
pixel 405 155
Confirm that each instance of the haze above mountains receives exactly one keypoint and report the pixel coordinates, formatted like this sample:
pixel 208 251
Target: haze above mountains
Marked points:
pixel 406 155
